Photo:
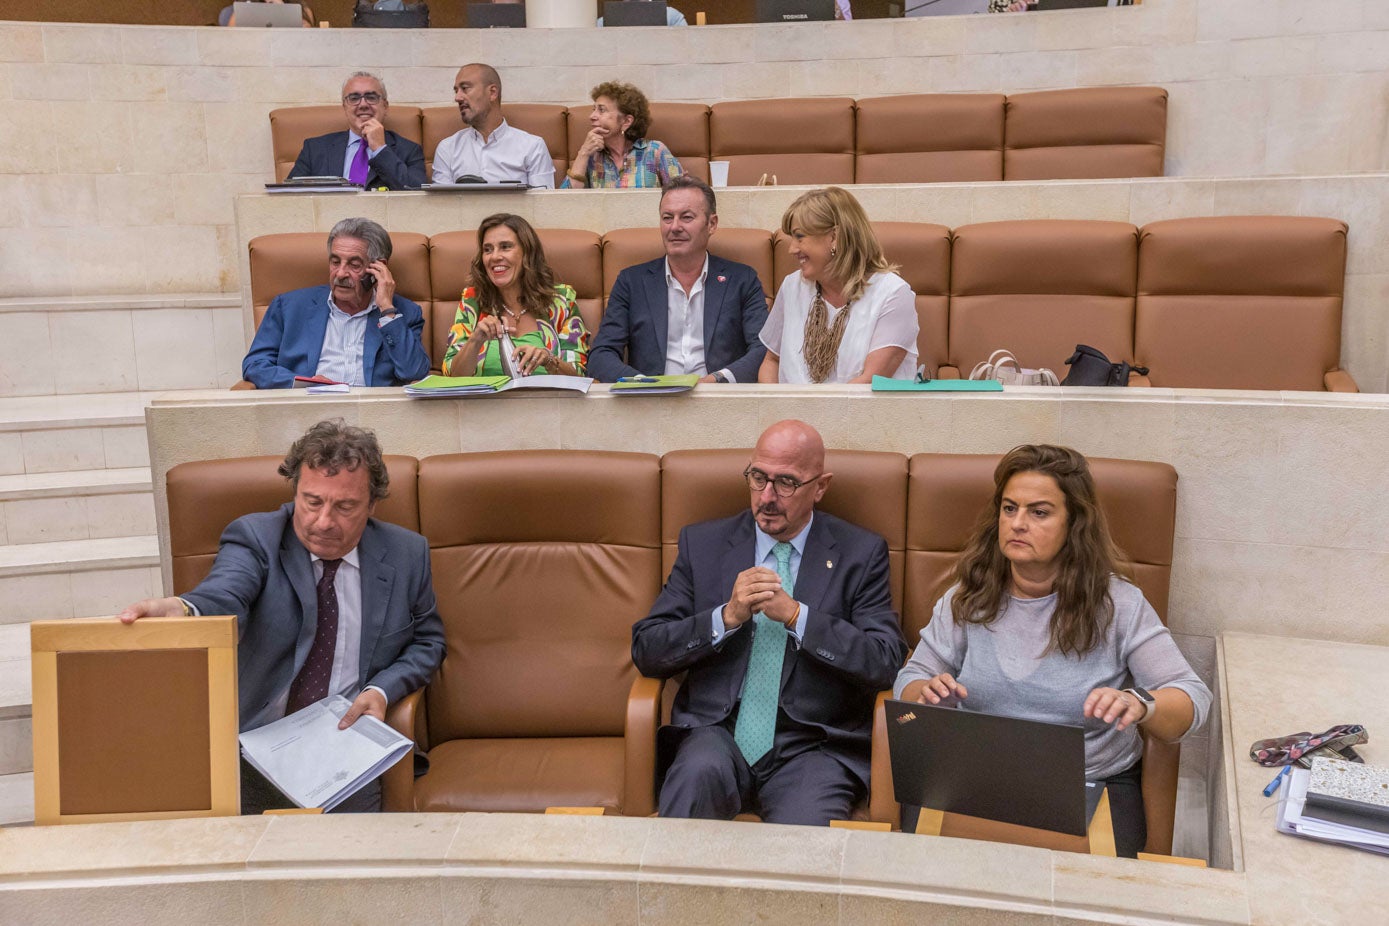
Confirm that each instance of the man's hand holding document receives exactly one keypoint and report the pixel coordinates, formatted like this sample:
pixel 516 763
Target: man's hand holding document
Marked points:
pixel 314 763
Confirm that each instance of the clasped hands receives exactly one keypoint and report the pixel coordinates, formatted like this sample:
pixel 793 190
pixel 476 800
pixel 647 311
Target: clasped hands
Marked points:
pixel 1107 704
pixel 759 589
pixel 529 357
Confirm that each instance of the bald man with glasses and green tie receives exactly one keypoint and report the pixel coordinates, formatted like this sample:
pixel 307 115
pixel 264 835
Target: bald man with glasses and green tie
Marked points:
pixel 783 620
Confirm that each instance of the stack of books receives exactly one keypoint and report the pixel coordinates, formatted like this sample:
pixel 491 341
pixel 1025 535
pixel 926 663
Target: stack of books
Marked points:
pixel 443 387
pixel 1338 801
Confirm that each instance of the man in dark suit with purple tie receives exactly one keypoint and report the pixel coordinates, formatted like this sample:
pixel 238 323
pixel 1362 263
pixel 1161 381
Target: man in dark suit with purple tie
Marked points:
pixel 367 153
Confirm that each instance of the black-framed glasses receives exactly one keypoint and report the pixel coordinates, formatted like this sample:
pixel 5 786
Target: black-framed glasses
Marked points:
pixel 785 486
pixel 371 96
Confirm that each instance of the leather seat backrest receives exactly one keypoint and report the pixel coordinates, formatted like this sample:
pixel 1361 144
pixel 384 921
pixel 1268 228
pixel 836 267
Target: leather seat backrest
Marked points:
pixel 868 489
pixel 949 491
pixel 799 140
pixel 1085 132
pixel 542 562
pixel 291 125
pixel 575 256
pixel 547 120
pixel 922 253
pixel 1038 288
pixel 1241 302
pixel 624 247
pixel 929 138
pixel 207 495
pixel 294 260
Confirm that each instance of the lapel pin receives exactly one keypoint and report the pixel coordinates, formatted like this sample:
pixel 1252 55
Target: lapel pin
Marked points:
pixel 722 278
pixel 829 564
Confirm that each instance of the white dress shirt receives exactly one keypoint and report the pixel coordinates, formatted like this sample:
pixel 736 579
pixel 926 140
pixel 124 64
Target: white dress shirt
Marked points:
pixel 509 154
pixel 763 556
pixel 343 342
pixel 685 325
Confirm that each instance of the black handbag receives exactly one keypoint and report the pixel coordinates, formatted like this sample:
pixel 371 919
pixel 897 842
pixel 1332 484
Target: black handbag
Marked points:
pixel 409 16
pixel 1090 367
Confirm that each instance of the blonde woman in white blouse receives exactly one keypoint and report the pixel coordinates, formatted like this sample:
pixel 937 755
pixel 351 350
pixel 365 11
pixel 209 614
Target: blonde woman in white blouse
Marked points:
pixel 844 316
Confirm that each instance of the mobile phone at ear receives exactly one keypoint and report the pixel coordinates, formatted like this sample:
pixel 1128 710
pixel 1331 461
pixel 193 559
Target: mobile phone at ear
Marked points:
pixel 368 281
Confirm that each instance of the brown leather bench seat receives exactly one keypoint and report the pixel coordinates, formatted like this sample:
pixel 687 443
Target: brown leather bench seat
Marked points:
pixel 542 561
pixel 1243 302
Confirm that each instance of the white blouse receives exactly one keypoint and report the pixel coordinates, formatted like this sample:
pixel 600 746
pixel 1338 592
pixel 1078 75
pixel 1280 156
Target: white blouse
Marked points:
pixel 884 315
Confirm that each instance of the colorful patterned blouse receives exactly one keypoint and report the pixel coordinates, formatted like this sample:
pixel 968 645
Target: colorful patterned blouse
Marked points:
pixel 564 333
pixel 647 164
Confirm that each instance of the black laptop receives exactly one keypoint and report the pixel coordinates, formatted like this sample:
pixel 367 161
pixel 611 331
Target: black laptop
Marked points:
pixel 634 13
pixel 794 11
pixel 496 16
pixel 1043 5
pixel 983 765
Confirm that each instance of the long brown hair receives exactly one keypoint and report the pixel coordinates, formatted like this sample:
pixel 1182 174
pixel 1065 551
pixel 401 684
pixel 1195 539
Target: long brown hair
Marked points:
pixel 1084 608
pixel 536 279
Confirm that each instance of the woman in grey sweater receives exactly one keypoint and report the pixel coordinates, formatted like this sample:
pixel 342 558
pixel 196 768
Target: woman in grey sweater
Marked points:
pixel 1040 625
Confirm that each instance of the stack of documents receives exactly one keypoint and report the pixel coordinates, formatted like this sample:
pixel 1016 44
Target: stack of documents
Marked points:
pixel 1310 815
pixel 437 387
pixel 314 185
pixel 655 385
pixel 314 763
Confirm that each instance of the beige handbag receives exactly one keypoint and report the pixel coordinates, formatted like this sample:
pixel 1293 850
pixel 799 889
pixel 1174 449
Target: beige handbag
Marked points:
pixel 1004 367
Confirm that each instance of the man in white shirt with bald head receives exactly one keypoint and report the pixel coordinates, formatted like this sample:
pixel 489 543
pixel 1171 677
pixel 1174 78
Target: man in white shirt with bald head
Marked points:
pixel 488 147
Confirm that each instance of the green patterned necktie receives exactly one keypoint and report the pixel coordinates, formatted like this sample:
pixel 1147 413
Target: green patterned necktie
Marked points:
pixel 762 685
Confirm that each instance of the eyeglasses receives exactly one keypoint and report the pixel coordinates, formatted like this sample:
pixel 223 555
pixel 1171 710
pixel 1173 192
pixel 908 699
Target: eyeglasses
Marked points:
pixel 352 99
pixel 785 486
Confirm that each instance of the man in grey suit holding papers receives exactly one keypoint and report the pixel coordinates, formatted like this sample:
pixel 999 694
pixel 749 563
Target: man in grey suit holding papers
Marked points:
pixel 328 600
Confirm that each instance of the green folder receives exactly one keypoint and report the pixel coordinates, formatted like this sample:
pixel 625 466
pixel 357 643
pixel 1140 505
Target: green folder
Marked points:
pixel 655 385
pixel 887 384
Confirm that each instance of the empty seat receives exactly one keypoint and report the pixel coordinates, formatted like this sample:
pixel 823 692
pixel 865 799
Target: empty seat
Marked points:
pixel 1087 132
pixel 929 137
pixel 798 140
pixel 1242 302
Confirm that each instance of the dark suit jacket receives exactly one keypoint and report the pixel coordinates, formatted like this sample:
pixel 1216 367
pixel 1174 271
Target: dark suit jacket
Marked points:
pixel 264 576
pixel 637 320
pixel 398 166
pixel 853 642
pixel 289 342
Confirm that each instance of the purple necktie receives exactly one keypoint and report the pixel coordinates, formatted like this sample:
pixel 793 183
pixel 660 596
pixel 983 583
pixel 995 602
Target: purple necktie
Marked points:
pixel 357 173
pixel 311 684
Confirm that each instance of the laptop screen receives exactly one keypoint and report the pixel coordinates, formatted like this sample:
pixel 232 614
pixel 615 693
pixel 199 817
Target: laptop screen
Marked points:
pixel 634 13
pixel 776 11
pixel 496 16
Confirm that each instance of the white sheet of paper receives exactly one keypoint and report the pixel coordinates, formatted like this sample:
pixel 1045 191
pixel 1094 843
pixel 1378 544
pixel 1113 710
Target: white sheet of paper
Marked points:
pixel 314 763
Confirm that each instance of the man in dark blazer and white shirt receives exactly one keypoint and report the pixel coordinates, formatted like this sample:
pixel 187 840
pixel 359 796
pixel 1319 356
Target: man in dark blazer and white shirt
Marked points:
pixel 329 601
pixel 687 312
pixel 782 617
pixel 388 160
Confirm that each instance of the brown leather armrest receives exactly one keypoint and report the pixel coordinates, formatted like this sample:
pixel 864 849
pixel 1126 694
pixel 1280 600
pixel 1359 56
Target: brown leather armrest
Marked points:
pixel 1339 381
pixel 947 372
pixel 398 783
pixel 639 775
pixel 1138 379
pixel 882 799
pixel 1160 765
pixel 243 385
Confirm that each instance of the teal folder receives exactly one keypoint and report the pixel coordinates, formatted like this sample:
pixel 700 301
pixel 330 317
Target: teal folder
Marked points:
pixel 887 384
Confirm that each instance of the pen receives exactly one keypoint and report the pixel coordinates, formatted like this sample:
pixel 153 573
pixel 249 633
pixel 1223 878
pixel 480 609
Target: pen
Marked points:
pixel 637 379
pixel 1272 786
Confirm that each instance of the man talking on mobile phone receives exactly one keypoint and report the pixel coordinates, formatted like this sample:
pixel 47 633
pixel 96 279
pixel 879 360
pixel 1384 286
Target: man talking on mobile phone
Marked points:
pixel 354 330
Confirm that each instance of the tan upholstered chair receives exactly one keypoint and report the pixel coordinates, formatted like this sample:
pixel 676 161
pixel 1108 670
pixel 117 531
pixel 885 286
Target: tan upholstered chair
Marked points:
pixel 574 255
pixel 929 137
pixel 531 706
pixel 945 495
pixel 798 140
pixel 291 125
pixel 1242 302
pixel 1039 288
pixel 1086 132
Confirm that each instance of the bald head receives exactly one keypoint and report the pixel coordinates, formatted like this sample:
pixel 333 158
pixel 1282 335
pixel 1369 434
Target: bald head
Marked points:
pixel 478 92
pixel 789 452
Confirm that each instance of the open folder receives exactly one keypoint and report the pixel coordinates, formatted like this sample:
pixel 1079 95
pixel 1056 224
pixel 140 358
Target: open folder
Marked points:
pixel 314 763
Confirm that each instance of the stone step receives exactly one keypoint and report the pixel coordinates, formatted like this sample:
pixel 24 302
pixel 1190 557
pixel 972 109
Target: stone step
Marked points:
pixel 16 696
pixel 67 433
pixel 76 578
pixel 17 799
pixel 76 505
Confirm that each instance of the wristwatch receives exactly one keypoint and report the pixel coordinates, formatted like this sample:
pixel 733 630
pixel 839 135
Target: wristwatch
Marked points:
pixel 1147 699
pixel 720 378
